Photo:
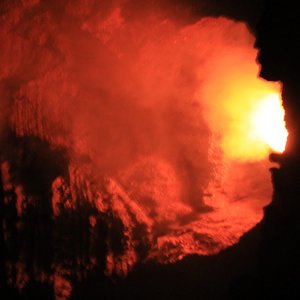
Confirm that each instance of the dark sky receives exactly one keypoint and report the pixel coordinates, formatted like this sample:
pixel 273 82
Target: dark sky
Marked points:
pixel 248 10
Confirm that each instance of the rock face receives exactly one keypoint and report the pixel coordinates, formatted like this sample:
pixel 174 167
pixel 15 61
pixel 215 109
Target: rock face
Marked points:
pixel 64 227
pixel 279 45
pixel 61 224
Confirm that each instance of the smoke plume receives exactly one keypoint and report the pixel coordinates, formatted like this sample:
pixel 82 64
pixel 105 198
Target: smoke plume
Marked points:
pixel 150 108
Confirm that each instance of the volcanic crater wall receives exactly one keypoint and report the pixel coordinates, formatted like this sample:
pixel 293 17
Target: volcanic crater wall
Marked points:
pixel 115 126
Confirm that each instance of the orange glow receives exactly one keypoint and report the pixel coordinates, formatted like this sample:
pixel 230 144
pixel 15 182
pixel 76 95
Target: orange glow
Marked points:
pixel 255 122
pixel 247 112
pixel 268 122
pixel 166 125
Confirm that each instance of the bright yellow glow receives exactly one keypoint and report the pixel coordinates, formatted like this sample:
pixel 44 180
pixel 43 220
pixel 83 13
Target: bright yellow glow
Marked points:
pixel 256 124
pixel 268 122
pixel 245 112
pixel 250 119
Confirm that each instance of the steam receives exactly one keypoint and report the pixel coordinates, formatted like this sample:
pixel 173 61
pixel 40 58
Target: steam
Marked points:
pixel 142 97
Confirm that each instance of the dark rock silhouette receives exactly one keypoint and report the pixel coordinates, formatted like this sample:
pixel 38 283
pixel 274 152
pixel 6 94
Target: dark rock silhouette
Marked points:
pixel 278 41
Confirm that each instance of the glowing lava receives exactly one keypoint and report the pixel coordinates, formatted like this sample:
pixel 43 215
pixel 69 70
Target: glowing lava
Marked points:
pixel 268 122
